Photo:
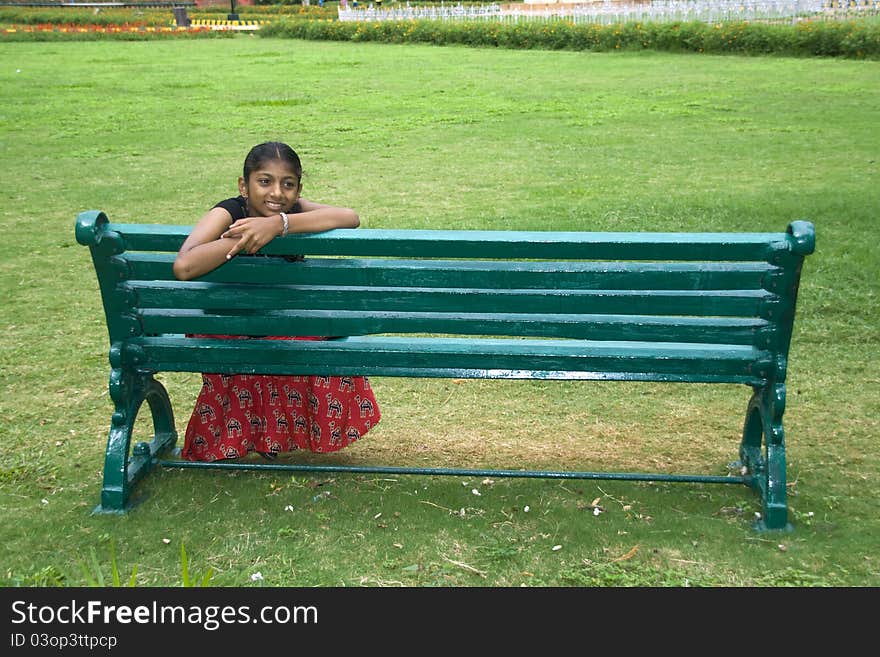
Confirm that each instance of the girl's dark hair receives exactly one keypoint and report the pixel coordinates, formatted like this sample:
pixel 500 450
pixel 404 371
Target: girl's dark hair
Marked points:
pixel 271 150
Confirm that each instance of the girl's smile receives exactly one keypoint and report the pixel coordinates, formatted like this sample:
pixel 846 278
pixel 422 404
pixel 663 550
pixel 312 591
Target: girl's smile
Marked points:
pixel 271 189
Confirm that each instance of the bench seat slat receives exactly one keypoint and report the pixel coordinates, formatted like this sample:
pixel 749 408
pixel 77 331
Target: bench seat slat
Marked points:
pixel 487 244
pixel 393 356
pixel 647 328
pixel 163 294
pixel 468 274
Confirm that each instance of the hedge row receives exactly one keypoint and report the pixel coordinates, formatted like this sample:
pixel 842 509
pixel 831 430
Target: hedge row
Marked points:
pixel 107 33
pixel 272 10
pixel 65 16
pixel 151 16
pixel 853 39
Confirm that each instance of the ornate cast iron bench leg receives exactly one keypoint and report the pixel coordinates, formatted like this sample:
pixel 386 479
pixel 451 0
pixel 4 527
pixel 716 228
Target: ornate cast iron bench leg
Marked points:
pixel 129 389
pixel 762 453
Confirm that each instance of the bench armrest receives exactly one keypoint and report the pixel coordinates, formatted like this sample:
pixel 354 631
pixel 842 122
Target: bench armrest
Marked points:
pixel 803 235
pixel 90 227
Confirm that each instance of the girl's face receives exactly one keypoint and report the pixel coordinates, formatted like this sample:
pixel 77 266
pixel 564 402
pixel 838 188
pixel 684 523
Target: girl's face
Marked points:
pixel 272 188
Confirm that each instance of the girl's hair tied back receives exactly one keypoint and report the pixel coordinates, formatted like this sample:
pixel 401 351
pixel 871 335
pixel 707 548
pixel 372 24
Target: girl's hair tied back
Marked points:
pixel 271 150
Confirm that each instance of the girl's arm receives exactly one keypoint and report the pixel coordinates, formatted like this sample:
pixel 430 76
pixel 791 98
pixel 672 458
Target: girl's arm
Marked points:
pixel 306 217
pixel 204 250
pixel 213 241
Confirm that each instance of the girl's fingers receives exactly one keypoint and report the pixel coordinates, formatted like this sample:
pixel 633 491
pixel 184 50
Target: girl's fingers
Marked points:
pixel 235 228
pixel 239 245
pixel 248 241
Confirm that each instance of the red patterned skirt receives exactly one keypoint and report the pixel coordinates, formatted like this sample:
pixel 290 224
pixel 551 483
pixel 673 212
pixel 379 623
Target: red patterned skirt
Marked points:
pixel 240 413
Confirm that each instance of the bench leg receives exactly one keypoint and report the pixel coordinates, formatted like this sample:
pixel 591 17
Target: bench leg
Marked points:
pixel 124 467
pixel 762 453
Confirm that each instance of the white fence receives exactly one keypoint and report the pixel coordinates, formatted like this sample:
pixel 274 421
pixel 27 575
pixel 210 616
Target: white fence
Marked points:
pixel 710 11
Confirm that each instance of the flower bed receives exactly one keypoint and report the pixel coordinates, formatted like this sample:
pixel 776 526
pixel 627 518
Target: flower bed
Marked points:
pixel 125 31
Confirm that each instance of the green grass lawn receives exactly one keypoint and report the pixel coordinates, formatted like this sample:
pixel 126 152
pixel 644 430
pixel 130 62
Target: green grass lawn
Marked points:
pixel 428 137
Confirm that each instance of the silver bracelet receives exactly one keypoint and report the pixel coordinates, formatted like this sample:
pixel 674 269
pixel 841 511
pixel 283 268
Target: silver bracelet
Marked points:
pixel 286 224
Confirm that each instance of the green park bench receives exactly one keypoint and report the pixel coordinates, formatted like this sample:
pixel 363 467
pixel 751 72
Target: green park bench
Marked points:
pixel 705 308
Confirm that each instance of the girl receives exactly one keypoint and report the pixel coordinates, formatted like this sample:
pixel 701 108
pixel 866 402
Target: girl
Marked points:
pixel 321 414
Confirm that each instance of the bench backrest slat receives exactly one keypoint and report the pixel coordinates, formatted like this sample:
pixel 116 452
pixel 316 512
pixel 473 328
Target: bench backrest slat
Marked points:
pixel 487 244
pixel 469 273
pixel 165 294
pixel 392 356
pixel 721 330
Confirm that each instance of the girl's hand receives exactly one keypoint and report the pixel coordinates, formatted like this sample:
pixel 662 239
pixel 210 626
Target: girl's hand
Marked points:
pixel 253 233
